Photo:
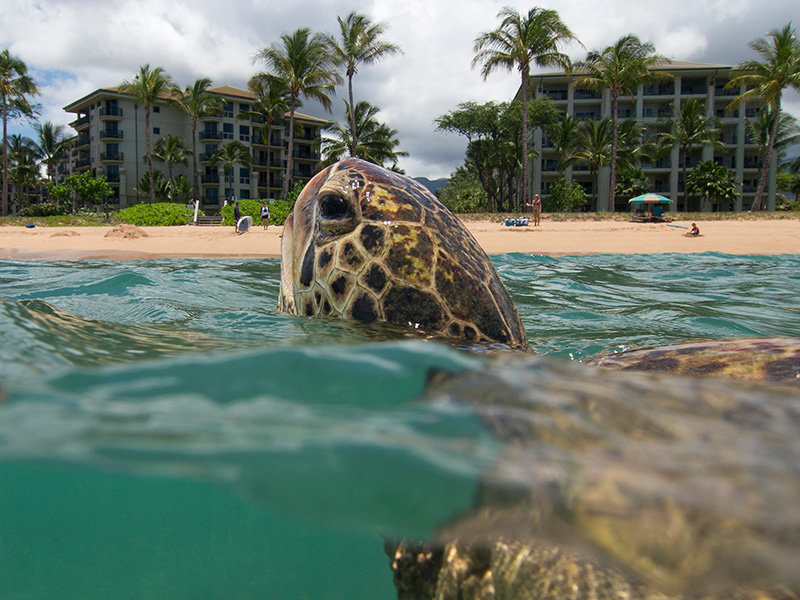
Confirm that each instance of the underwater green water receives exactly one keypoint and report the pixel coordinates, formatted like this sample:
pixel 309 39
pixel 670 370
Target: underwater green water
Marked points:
pixel 166 433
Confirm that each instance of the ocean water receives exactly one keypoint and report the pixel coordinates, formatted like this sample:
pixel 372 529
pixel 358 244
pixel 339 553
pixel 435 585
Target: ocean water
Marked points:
pixel 165 432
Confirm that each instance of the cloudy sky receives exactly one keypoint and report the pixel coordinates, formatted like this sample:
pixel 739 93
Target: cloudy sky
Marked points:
pixel 72 47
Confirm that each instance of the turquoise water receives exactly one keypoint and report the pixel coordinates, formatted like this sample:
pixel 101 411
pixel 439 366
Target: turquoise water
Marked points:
pixel 166 433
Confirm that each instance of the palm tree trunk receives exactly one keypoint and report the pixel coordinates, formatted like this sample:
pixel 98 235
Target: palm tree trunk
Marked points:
pixel 5 155
pixel 353 134
pixel 525 174
pixel 762 180
pixel 685 185
pixel 195 187
pixel 290 149
pixel 615 125
pixel 149 155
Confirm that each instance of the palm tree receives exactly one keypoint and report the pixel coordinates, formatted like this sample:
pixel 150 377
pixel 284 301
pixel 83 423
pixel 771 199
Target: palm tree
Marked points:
pixel 520 42
pixel 172 150
pixel 23 170
pixel 620 68
pixel 564 137
pixel 778 70
pixel 359 43
pixel 690 128
pixel 197 102
pixel 231 154
pixel 760 129
pixel 377 142
pixel 51 147
pixel 270 106
pixel 303 63
pixel 594 143
pixel 15 87
pixel 147 88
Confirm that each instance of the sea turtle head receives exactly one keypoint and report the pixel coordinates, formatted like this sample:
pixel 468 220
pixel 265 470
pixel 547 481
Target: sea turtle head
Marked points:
pixel 369 244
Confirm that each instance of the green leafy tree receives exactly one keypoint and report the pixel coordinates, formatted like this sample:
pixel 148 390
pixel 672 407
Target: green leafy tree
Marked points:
pixel 494 141
pixel 778 69
pixel 619 68
pixel 80 187
pixel 520 42
pixel 231 154
pixel 16 87
pixel 377 142
pixel 51 146
pixel 463 192
pixel 790 182
pixel 689 128
pixel 632 182
pixel 759 131
pixel 159 189
pixel 198 102
pixel 359 43
pixel 303 63
pixel 172 150
pixel 713 182
pixel 148 88
pixel 565 197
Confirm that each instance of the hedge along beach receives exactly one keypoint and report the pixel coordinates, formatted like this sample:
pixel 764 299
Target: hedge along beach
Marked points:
pixel 554 238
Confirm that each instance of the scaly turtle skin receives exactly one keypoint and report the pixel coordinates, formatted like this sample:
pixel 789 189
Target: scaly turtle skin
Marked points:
pixel 368 244
pixel 764 359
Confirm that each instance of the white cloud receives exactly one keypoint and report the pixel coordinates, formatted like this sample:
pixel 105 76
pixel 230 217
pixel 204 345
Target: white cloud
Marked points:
pixel 75 46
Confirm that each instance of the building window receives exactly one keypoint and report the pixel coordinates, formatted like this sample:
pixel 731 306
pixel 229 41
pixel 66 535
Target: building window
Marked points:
pixel 244 108
pixel 244 194
pixel 156 109
pixel 227 131
pixel 156 130
pixel 227 109
pixel 244 176
pixel 244 133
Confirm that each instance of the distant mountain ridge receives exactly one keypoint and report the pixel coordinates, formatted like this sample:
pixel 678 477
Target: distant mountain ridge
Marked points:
pixel 432 185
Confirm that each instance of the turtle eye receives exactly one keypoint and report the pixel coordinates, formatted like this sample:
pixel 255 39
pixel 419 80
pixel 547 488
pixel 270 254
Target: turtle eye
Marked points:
pixel 334 207
pixel 336 214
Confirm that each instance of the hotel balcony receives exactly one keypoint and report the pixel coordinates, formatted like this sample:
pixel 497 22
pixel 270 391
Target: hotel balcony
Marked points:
pixel 206 156
pixel 112 157
pixel 110 134
pixel 210 135
pixel 111 112
pixel 81 141
pixel 80 122
pixel 210 179
pixel 112 177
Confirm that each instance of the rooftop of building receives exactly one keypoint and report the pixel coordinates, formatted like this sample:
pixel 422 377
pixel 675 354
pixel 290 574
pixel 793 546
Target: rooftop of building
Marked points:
pixel 662 65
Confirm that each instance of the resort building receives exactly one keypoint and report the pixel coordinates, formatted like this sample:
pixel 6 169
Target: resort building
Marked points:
pixel 110 141
pixel 652 108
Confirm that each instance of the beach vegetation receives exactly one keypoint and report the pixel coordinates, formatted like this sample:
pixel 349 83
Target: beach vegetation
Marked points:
pixel 149 87
pixel 565 197
pixel 594 149
pixel 23 170
pixel 359 43
pixel 521 41
pixel 303 63
pixel 619 68
pixel 463 192
pixel 766 79
pixel 156 214
pixel 197 103
pixel 375 141
pixel 79 188
pixel 16 90
pixel 171 150
pixel 278 211
pixel 714 183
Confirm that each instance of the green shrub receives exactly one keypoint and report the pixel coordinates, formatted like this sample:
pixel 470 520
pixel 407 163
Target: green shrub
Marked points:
pixel 46 209
pixel 158 214
pixel 278 211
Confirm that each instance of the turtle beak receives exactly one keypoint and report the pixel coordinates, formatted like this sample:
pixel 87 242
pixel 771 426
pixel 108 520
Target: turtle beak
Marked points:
pixel 286 297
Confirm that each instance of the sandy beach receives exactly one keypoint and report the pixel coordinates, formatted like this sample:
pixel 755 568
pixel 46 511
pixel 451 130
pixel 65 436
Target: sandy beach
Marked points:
pixel 554 238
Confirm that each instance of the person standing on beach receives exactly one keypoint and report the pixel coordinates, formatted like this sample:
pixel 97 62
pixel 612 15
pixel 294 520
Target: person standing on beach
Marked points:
pixel 265 215
pixel 237 214
pixel 537 209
